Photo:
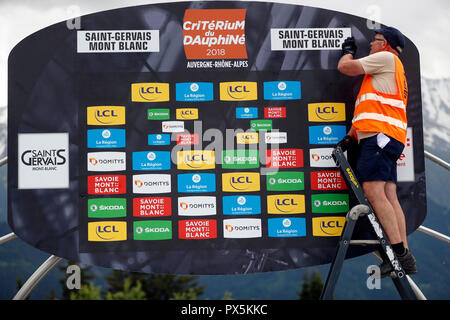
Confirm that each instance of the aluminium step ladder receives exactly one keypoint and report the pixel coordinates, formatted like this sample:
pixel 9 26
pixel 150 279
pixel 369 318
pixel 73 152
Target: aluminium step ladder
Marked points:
pixel 363 209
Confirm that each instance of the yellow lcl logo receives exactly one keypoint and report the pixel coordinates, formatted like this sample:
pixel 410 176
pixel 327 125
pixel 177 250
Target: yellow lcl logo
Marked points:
pixel 105 115
pixel 150 92
pixel 238 91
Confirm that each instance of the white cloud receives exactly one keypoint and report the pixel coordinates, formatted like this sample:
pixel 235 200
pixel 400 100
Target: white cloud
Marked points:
pixel 425 24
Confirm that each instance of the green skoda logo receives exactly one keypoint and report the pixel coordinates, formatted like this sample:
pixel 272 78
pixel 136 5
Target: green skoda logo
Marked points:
pixel 240 159
pixel 152 230
pixel 330 203
pixel 107 208
pixel 285 181
pixel 261 125
pixel 158 114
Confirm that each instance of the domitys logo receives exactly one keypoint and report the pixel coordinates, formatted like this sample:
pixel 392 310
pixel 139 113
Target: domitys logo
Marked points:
pixel 214 34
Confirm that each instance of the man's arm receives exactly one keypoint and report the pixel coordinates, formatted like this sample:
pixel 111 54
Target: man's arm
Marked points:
pixel 350 67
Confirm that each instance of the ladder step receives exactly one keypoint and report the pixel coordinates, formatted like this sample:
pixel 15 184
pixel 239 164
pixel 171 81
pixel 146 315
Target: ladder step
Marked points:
pixel 364 242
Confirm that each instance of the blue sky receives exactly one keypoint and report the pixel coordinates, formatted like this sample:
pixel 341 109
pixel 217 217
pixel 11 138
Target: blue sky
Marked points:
pixel 426 23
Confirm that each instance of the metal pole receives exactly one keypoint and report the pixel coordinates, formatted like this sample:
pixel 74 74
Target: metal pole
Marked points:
pixel 434 234
pixel 419 294
pixel 3 161
pixel 437 160
pixel 36 277
pixel 7 238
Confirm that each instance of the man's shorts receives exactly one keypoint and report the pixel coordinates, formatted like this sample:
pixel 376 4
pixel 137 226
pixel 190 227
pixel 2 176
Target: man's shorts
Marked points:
pixel 377 158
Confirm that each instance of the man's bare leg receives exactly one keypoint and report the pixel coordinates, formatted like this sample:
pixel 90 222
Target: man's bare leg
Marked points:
pixel 391 194
pixel 375 193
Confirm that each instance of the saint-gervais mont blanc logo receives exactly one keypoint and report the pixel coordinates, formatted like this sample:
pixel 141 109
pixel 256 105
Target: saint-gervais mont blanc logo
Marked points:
pixel 197 206
pixel 107 231
pixel 43 161
pixel 214 34
pixel 326 112
pixel 150 92
pixel 106 161
pixel 196 182
pixel 242 228
pixel 106 115
pixel 287 227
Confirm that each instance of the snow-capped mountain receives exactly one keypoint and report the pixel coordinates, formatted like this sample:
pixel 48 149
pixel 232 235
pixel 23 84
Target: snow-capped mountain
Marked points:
pixel 436 116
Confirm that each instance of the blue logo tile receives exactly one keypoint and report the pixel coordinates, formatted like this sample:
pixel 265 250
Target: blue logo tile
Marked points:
pixel 194 91
pixel 151 160
pixel 241 205
pixel 196 182
pixel 282 90
pixel 246 113
pixel 326 134
pixel 160 139
pixel 106 138
pixel 287 227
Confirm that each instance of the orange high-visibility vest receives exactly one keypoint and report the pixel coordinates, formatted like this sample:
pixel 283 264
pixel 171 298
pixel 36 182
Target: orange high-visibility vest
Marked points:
pixel 380 112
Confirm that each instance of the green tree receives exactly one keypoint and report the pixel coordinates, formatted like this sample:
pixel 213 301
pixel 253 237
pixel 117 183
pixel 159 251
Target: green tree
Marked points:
pixel 86 292
pixel 311 287
pixel 129 292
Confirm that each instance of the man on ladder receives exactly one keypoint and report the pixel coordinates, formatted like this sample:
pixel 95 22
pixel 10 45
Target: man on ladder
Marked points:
pixel 379 126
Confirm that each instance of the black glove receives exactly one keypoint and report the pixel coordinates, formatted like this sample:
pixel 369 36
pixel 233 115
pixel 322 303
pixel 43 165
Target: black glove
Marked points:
pixel 346 143
pixel 349 46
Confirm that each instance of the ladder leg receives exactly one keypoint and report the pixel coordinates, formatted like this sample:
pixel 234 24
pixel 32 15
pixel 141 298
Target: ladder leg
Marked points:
pixel 344 242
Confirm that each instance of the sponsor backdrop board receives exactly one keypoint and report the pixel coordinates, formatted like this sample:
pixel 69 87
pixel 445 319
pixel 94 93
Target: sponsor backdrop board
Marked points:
pixel 192 138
